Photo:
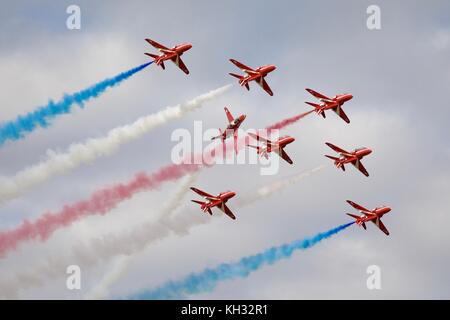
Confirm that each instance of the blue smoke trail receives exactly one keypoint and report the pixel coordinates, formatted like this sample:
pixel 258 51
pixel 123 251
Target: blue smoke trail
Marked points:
pixel 206 280
pixel 15 129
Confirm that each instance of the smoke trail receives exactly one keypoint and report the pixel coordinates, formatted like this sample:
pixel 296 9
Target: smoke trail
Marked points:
pixel 207 279
pixel 288 121
pixel 16 129
pixel 100 202
pixel 120 267
pixel 283 183
pixel 179 226
pixel 276 186
pixel 81 153
pixel 97 251
pixel 101 290
pixel 128 243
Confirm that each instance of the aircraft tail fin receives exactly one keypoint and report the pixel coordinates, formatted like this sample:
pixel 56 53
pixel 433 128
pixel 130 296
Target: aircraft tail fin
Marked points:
pixel 353 216
pixel 203 206
pixel 241 80
pixel 331 157
pixel 219 136
pixel 236 76
pixel 260 151
pixel 154 56
pixel 358 220
pixel 157 61
pixel 336 162
pixel 317 107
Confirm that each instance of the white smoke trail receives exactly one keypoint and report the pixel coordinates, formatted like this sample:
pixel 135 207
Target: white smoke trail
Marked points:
pixel 276 186
pixel 121 264
pixel 101 290
pixel 127 243
pixel 57 163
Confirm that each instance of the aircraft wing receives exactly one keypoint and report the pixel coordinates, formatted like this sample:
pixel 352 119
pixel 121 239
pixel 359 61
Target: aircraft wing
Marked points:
pixel 258 137
pixel 158 46
pixel 242 66
pixel 358 165
pixel 203 193
pixel 262 82
pixel 336 148
pixel 177 60
pixel 341 114
pixel 359 207
pixel 381 226
pixel 229 116
pixel 317 94
pixel 285 156
pixel 227 211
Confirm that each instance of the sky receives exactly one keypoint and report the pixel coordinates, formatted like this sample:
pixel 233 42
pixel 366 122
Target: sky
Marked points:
pixel 398 75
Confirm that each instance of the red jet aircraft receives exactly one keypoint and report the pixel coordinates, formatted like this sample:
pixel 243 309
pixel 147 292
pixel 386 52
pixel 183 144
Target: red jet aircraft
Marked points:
pixel 334 104
pixel 370 215
pixel 276 146
pixel 232 128
pixel 215 201
pixel 173 54
pixel 253 75
pixel 353 157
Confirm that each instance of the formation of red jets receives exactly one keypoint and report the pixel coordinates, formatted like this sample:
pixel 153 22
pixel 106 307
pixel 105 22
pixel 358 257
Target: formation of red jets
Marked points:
pixel 325 103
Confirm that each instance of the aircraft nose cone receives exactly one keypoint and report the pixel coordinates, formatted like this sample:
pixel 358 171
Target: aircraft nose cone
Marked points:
pixel 288 139
pixel 388 209
pixel 243 117
pixel 230 194
pixel 369 151
pixel 349 97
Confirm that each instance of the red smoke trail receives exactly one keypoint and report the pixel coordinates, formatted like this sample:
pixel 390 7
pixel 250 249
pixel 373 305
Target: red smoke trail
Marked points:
pixel 288 121
pixel 106 199
pixel 100 202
